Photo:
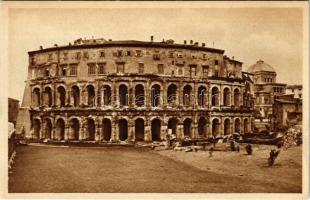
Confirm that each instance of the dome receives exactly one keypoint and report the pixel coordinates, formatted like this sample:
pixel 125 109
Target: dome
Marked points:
pixel 260 66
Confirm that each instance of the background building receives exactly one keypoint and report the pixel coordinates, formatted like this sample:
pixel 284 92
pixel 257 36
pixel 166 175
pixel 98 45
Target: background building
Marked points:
pixel 108 90
pixel 294 89
pixel 13 110
pixel 266 90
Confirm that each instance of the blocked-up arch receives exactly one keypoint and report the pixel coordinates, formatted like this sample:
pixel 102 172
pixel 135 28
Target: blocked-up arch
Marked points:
pixel 173 125
pixel 155 95
pixel 90 95
pixel 123 95
pixel 187 92
pixel 226 96
pixel 215 96
pixel 155 129
pixel 237 125
pixel 139 95
pixel 139 129
pixel 36 126
pixel 123 129
pixel 60 129
pixel 237 97
pixel 106 129
pixel 215 127
pixel 48 128
pixel 202 126
pixel 36 97
pixel 107 98
pixel 75 91
pixel 202 96
pixel 61 91
pixel 246 125
pixel 91 129
pixel 48 96
pixel 74 129
pixel 172 94
pixel 187 127
pixel 227 127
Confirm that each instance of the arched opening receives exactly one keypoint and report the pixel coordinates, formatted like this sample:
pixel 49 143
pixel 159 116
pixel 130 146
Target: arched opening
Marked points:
pixel 106 129
pixel 76 95
pixel 202 96
pixel 172 95
pixel 173 124
pixel 215 96
pixel 48 128
pixel 187 127
pixel 107 95
pixel 75 129
pixel 90 95
pixel 236 97
pixel 61 95
pixel 246 125
pixel 48 96
pixel 155 129
pixel 139 129
pixel 91 129
pixel 36 125
pixel 36 97
pixel 60 129
pixel 139 95
pixel 202 126
pixel 215 127
pixel 227 128
pixel 226 97
pixel 155 95
pixel 123 95
pixel 237 125
pixel 123 129
pixel 187 91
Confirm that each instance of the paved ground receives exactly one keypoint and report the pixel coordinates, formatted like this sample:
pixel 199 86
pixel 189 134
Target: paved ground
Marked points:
pixel 124 169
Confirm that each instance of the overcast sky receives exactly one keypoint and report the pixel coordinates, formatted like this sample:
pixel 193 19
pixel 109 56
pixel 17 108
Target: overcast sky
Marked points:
pixel 249 34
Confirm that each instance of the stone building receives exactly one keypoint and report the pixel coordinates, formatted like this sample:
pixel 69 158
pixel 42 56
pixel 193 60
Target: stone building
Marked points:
pixel 13 110
pixel 296 90
pixel 266 90
pixel 104 90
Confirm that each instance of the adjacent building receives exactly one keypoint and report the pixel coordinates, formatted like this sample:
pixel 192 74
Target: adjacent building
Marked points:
pixel 13 110
pixel 104 90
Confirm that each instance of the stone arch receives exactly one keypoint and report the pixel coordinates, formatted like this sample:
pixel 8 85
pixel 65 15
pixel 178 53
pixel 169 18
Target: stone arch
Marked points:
pixel 139 95
pixel 246 125
pixel 155 95
pixel 215 127
pixel 90 95
pixel 48 96
pixel 215 96
pixel 187 92
pixel 106 129
pixel 107 94
pixel 61 91
pixel 227 127
pixel 36 125
pixel 139 129
pixel 123 95
pixel 237 125
pixel 123 129
pixel 36 96
pixel 48 125
pixel 173 125
pixel 91 129
pixel 236 97
pixel 172 94
pixel 202 126
pixel 75 90
pixel 187 127
pixel 226 96
pixel 155 129
pixel 202 95
pixel 74 129
pixel 60 129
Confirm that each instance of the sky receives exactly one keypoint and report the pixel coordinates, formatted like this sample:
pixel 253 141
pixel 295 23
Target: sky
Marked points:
pixel 274 35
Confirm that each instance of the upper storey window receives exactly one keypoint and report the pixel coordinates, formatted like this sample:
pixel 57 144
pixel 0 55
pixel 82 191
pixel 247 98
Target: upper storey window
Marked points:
pixel 65 55
pixel 85 55
pixel 78 55
pixel 46 72
pixel 180 55
pixel 50 56
pixel 180 70
pixel 102 54
pixel 73 69
pixel 171 54
pixel 194 56
pixel 192 70
pixel 32 60
pixel 91 69
pixel 216 62
pixel 63 70
pixel 141 68
pixel 120 67
pixel 119 53
pixel 128 53
pixel 156 55
pixel 204 56
pixel 101 68
pixel 205 69
pixel 160 68
pixel 138 53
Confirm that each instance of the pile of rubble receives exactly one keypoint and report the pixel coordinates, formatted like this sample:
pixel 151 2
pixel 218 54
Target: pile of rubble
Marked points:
pixel 292 137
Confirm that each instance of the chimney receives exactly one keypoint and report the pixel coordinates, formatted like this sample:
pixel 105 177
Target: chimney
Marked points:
pixel 152 38
pixel 191 42
pixel 55 45
pixel 41 47
pixel 69 43
pixel 110 40
pixel 196 44
pixel 203 44
pixel 184 41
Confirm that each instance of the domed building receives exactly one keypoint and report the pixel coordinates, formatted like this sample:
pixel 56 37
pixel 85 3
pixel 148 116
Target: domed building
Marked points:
pixel 104 90
pixel 266 90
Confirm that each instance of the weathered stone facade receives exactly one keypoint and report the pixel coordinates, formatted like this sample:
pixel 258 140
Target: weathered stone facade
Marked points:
pixel 100 90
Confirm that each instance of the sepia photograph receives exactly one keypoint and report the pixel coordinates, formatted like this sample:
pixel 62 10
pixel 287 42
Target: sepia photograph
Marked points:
pixel 157 98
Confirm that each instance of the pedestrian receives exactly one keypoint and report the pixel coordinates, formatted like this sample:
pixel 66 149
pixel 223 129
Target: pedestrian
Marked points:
pixel 249 149
pixel 238 149
pixel 211 152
